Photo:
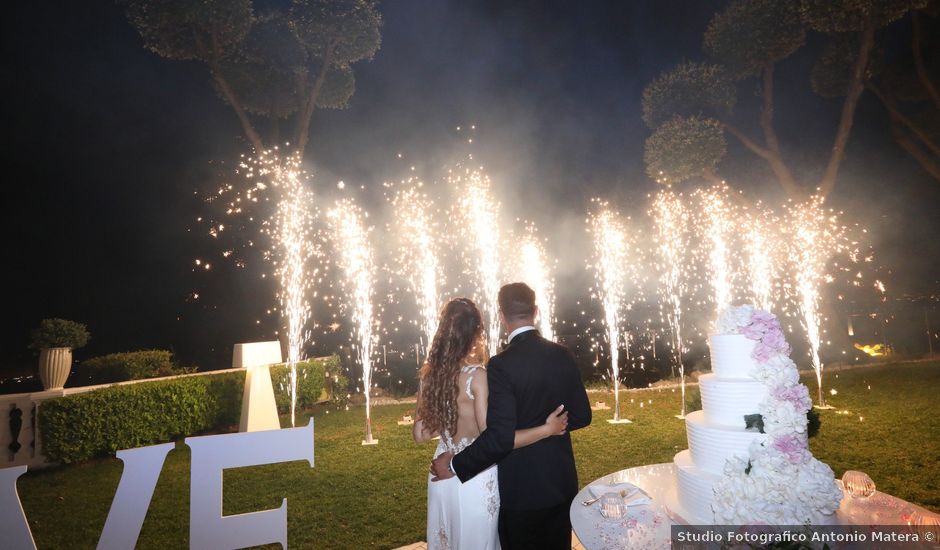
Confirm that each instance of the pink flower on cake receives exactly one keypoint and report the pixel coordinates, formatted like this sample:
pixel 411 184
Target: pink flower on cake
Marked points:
pixel 763 352
pixel 761 323
pixel 798 396
pixel 753 331
pixel 764 317
pixel 775 340
pixel 793 446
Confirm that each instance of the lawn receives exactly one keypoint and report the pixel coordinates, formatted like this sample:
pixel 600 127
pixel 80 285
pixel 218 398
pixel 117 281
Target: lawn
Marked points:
pixel 374 497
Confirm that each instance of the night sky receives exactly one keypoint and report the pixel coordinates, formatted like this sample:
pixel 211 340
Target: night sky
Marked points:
pixel 106 144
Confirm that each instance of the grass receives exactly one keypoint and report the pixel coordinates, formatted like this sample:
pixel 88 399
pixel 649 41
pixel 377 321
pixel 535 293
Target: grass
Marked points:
pixel 374 497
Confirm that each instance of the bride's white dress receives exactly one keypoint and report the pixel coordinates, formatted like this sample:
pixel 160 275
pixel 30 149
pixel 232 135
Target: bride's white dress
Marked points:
pixel 463 516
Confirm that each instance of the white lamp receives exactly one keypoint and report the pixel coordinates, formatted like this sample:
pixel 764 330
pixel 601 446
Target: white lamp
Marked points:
pixel 259 411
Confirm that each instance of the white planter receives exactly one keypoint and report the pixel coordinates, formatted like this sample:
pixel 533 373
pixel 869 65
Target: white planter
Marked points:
pixel 55 364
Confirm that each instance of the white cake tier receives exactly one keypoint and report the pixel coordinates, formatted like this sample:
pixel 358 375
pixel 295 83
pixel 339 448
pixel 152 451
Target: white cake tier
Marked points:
pixel 725 401
pixel 710 446
pixel 694 487
pixel 731 355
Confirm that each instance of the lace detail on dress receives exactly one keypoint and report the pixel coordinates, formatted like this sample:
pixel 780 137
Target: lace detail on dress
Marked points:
pixel 492 497
pixel 469 393
pixel 442 541
pixel 455 448
pixel 470 369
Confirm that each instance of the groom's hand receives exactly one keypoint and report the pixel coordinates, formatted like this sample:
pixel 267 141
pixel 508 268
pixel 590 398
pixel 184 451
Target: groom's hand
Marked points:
pixel 440 467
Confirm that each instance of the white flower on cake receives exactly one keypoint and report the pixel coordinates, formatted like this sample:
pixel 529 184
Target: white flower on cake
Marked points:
pixel 778 370
pixel 781 483
pixel 733 319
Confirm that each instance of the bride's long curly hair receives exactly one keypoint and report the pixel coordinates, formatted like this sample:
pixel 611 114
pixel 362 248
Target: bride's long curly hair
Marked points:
pixel 458 341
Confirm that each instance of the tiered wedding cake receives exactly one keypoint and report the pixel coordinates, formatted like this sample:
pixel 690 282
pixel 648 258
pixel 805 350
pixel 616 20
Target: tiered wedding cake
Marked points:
pixel 748 459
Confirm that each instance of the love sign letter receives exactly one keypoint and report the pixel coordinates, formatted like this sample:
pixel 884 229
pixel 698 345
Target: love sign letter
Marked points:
pixel 208 528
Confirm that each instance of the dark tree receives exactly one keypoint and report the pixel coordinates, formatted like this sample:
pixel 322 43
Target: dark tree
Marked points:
pixel 685 105
pixel 277 65
pixel 908 89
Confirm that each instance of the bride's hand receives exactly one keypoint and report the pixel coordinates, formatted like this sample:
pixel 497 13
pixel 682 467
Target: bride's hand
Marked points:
pixel 557 421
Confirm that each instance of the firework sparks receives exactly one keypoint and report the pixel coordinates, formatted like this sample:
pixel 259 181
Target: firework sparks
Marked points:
pixel 816 236
pixel 351 239
pixel 480 215
pixel 418 255
pixel 293 246
pixel 534 272
pixel 784 262
pixel 669 216
pixel 611 264
pixel 759 246
pixel 716 227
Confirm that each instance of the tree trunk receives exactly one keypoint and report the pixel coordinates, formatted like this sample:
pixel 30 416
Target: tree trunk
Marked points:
pixel 926 161
pixel 709 175
pixel 247 127
pixel 213 57
pixel 790 186
pixel 897 117
pixel 919 62
pixel 755 148
pixel 303 125
pixel 770 136
pixel 828 182
pixel 767 112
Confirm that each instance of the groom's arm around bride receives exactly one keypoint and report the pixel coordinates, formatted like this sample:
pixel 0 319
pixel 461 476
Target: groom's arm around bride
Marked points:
pixel 496 442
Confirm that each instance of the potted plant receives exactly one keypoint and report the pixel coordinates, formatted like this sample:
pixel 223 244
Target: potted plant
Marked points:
pixel 55 339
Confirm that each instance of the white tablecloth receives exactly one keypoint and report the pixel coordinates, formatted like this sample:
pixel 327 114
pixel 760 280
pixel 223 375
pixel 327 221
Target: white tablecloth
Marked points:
pixel 649 526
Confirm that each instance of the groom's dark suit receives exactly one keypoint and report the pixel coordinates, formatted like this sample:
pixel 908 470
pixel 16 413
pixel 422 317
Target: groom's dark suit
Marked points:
pixel 527 381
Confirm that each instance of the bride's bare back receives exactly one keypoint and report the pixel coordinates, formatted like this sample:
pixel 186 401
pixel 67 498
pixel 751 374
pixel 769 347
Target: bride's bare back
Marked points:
pixel 471 403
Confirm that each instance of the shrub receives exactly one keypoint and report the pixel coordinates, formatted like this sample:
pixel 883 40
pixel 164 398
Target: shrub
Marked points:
pixel 135 365
pixel 59 333
pixel 337 384
pixel 101 422
pixel 311 375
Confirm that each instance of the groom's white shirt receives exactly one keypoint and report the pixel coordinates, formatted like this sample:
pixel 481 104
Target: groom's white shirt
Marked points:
pixel 519 331
pixel 512 335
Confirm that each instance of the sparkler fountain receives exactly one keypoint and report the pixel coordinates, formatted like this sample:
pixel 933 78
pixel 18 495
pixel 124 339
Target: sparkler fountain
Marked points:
pixel 351 239
pixel 669 215
pixel 716 226
pixel 759 244
pixel 611 262
pixel 816 237
pixel 418 254
pixel 293 246
pixel 535 273
pixel 479 214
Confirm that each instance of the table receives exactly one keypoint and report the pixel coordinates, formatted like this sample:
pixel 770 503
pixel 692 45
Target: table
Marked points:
pixel 649 526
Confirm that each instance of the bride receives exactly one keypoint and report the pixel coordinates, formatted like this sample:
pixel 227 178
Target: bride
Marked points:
pixel 452 401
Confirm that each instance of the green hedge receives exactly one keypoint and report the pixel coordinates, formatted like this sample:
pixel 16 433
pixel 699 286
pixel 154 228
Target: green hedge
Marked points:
pixel 310 384
pixel 134 365
pixel 101 422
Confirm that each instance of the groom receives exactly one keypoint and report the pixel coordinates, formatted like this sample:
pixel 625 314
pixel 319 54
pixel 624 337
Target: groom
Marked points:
pixel 527 381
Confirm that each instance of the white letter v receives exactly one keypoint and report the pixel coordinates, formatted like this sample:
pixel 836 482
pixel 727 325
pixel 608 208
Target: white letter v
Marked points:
pixel 129 508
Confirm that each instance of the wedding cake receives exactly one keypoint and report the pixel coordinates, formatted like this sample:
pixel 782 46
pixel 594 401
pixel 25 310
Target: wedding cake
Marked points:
pixel 748 459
